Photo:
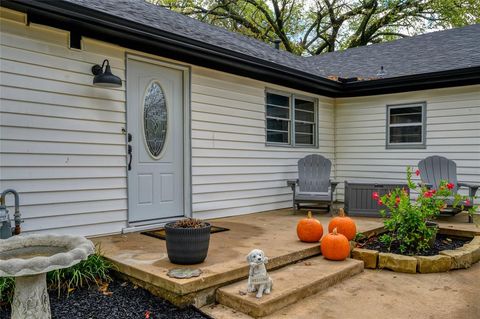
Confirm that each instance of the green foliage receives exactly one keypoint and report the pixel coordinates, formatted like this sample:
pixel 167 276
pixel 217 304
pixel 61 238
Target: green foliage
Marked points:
pixel 94 270
pixel 6 289
pixel 359 236
pixel 313 27
pixel 407 223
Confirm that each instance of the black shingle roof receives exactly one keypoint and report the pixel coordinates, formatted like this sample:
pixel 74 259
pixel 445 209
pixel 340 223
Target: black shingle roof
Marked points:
pixel 432 52
pixel 166 20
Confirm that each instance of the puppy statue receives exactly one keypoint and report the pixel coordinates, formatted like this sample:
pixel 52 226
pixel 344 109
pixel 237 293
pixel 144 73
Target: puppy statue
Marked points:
pixel 258 279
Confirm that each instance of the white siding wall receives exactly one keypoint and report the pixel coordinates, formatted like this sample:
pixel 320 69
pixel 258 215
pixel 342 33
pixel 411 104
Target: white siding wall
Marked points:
pixel 60 138
pixel 62 148
pixel 453 131
pixel 233 171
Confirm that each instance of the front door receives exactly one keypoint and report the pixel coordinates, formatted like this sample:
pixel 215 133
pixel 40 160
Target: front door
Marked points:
pixel 155 129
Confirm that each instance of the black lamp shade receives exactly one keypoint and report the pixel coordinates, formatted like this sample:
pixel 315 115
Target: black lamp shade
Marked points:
pixel 105 79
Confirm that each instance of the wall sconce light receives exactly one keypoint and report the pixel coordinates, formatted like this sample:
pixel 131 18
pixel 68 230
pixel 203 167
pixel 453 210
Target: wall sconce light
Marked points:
pixel 105 79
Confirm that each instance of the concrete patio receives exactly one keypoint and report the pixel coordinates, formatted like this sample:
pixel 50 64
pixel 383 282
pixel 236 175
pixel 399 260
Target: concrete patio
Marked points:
pixel 144 260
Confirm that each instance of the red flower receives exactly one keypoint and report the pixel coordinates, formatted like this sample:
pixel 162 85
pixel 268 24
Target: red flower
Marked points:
pixel 433 191
pixel 450 185
pixel 427 194
pixel 147 314
pixel 397 200
pixel 380 202
pixel 417 172
pixel 467 201
pixel 375 196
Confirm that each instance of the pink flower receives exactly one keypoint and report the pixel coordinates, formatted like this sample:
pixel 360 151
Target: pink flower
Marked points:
pixel 147 314
pixel 467 201
pixel 375 196
pixel 417 172
pixel 450 185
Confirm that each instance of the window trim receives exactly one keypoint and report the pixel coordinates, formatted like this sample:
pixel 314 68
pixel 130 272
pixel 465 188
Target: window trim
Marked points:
pixel 291 133
pixel 406 145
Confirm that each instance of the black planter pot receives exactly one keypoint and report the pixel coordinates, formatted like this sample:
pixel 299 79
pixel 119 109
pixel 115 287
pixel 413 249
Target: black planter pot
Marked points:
pixel 187 246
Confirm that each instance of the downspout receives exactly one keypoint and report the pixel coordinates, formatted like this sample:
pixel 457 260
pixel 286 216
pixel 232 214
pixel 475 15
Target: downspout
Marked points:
pixel 335 170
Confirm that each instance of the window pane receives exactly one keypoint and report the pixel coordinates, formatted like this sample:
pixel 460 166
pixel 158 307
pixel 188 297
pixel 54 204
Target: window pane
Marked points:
pixel 406 115
pixel 304 116
pixel 277 99
pixel 406 134
pixel 278 112
pixel 277 137
pixel 280 125
pixel 304 139
pixel 304 105
pixel 304 128
pixel 155 119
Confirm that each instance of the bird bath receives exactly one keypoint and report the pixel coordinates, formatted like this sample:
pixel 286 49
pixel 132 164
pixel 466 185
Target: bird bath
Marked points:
pixel 28 259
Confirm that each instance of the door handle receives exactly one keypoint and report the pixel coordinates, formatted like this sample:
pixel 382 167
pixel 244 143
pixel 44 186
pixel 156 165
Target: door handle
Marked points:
pixel 130 157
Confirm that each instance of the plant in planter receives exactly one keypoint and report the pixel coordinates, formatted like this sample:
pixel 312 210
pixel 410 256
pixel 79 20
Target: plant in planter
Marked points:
pixel 187 241
pixel 410 225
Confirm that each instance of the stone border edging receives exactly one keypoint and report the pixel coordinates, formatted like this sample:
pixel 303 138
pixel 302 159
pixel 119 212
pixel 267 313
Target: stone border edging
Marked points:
pixel 463 257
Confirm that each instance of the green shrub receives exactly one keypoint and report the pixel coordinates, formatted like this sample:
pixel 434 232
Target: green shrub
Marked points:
pixel 94 270
pixel 407 223
pixel 6 289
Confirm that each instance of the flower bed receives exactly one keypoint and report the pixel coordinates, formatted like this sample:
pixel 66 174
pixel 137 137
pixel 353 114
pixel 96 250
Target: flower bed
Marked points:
pixel 445 260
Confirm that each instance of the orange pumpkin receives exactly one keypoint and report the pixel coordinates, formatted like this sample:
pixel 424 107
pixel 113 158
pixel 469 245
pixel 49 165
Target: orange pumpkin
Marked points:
pixel 335 246
pixel 344 225
pixel 309 229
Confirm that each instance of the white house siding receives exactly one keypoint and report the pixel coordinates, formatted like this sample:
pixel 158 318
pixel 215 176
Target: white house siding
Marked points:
pixel 453 131
pixel 60 138
pixel 233 171
pixel 62 147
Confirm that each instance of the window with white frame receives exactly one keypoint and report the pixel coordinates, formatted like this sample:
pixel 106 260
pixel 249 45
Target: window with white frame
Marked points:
pixel 406 125
pixel 290 120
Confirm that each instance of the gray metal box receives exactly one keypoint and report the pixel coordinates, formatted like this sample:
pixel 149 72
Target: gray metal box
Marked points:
pixel 358 197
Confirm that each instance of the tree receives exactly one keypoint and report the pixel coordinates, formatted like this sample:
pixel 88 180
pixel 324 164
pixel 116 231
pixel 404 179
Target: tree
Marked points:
pixel 311 27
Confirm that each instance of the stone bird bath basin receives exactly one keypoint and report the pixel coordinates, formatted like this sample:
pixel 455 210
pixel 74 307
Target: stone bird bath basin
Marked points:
pixel 28 258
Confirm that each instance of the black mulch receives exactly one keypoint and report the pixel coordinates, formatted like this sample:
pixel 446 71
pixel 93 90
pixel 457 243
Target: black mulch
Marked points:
pixel 443 242
pixel 125 302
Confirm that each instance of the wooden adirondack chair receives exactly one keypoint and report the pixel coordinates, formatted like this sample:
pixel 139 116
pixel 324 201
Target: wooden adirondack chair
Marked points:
pixel 434 169
pixel 313 184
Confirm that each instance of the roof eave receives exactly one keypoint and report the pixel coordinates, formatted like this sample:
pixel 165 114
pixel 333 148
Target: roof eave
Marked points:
pixel 417 82
pixel 97 25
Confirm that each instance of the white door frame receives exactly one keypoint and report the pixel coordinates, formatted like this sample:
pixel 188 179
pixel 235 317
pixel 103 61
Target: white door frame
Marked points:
pixel 187 150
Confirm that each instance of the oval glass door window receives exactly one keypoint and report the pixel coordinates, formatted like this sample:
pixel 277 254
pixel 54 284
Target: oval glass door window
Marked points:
pixel 155 119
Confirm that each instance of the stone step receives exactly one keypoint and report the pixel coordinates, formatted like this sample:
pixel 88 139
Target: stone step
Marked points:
pixel 290 284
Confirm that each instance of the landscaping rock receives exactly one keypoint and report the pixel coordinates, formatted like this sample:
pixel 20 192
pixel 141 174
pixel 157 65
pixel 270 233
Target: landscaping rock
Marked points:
pixel 460 258
pixel 473 248
pixel 397 262
pixel 429 264
pixel 369 257
pixel 475 241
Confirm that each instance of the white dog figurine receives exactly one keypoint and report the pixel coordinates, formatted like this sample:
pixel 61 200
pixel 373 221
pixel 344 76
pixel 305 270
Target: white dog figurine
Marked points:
pixel 258 279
